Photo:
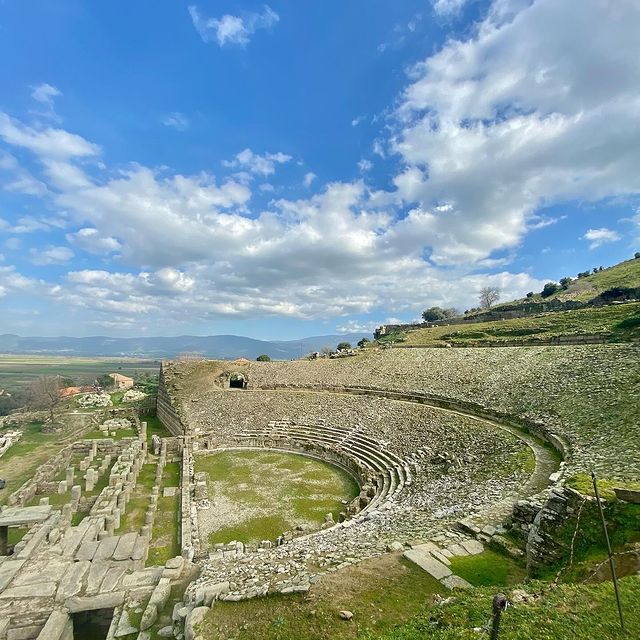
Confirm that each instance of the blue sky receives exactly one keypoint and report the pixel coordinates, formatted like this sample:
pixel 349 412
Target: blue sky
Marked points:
pixel 296 168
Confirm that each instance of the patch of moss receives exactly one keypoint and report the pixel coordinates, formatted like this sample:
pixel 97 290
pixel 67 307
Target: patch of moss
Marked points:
pixel 488 568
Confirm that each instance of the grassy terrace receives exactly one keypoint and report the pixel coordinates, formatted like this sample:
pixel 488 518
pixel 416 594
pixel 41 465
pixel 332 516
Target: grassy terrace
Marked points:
pixel 381 593
pixel 620 322
pixel 133 519
pixel 19 463
pixel 165 542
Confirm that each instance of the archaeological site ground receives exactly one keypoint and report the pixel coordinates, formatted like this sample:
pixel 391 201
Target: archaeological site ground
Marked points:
pixel 389 492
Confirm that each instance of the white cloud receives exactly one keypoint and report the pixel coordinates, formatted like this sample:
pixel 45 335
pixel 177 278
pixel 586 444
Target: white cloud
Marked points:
pixel 51 255
pixel 47 142
pixel 511 118
pixel 309 177
pixel 17 179
pixel 89 239
pixel 448 7
pixel 365 165
pixel 598 237
pixel 230 29
pixel 264 165
pixel 356 121
pixel 45 93
pixel 176 120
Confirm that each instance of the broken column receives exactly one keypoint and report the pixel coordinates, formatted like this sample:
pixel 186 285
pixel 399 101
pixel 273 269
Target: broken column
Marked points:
pixel 62 487
pixel 90 478
pixel 70 474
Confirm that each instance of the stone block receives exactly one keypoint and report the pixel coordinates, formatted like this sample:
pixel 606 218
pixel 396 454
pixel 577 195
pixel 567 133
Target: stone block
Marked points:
pixel 426 561
pixel 101 601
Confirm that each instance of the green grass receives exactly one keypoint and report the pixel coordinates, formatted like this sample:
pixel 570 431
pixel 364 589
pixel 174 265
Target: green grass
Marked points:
pixel 155 426
pixel 19 463
pixel 165 541
pixel 583 483
pixel 609 320
pixel 381 593
pixel 116 398
pixel 576 612
pixel 488 569
pixel 272 492
pixel 15 534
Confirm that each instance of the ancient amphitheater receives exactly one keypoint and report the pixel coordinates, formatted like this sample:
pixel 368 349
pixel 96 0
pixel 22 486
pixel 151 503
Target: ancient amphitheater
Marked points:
pixel 451 449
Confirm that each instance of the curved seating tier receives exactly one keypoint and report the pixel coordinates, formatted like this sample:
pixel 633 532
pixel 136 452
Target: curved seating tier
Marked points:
pixel 388 473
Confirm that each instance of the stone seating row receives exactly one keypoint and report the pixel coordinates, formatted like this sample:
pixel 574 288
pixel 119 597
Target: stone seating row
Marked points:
pixel 390 473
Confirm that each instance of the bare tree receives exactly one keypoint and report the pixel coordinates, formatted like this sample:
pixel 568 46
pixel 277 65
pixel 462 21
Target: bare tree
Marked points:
pixel 489 296
pixel 45 393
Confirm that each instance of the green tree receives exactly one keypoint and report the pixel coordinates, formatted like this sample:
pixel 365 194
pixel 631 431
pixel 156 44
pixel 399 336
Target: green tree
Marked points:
pixel 364 342
pixel 549 289
pixel 343 346
pixel 565 282
pixel 105 381
pixel 433 314
pixel 263 358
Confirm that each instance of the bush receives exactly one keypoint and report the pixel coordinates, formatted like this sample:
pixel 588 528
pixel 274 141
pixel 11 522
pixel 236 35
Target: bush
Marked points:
pixel 636 255
pixel 263 358
pixel 530 294
pixel 343 346
pixel 433 314
pixel 565 282
pixel 549 289
pixel 364 342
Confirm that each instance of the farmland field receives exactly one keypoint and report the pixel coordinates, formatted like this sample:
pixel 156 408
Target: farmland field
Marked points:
pixel 17 371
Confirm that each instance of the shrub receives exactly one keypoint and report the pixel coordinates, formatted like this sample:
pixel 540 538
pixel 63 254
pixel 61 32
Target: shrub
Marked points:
pixel 343 346
pixel 549 289
pixel 565 282
pixel 263 358
pixel 364 342
pixel 530 294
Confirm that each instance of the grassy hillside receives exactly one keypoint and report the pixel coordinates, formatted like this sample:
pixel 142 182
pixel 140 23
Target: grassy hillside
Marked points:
pixel 625 274
pixel 580 612
pixel 620 322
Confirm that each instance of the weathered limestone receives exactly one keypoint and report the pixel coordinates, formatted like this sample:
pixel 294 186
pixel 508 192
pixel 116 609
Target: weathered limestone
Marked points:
pixel 156 603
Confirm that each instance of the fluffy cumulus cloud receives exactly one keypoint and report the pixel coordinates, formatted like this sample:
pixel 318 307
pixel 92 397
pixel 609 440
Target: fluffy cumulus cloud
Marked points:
pixel 263 165
pixel 598 237
pixel 540 105
pixel 51 255
pixel 524 112
pixel 230 29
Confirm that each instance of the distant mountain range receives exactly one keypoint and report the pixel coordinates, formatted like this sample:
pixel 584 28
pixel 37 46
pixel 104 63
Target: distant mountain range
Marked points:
pixel 223 347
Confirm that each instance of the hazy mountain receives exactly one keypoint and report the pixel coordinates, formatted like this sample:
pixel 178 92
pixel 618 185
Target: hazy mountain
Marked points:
pixel 224 346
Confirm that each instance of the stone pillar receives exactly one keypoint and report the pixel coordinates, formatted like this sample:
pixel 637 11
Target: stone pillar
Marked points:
pixel 67 513
pixel 76 492
pixel 62 487
pixel 90 480
pixel 70 474
pixel 109 525
pixel 115 514
pixel 94 449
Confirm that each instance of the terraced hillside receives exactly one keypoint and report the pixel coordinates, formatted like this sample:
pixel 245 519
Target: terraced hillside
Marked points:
pixel 587 394
pixel 615 323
